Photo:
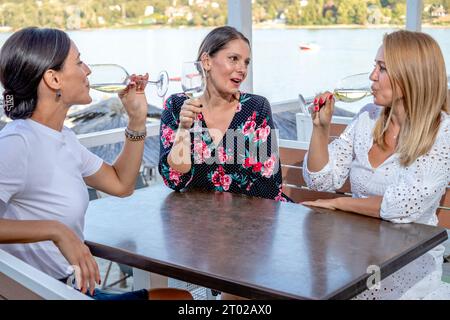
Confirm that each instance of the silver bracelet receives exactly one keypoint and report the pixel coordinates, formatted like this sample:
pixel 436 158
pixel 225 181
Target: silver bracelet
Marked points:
pixel 135 135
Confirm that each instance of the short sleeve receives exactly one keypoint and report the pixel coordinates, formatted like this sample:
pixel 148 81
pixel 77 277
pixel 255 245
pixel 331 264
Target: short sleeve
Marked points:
pixel 13 165
pixel 91 163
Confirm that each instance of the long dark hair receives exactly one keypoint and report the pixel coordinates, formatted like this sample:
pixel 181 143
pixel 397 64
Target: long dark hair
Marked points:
pixel 217 39
pixel 24 58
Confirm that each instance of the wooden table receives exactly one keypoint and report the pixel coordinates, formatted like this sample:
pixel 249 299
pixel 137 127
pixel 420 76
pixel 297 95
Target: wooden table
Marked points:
pixel 251 247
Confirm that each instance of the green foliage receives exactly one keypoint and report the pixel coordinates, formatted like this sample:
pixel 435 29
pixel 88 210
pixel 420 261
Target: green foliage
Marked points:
pixel 75 14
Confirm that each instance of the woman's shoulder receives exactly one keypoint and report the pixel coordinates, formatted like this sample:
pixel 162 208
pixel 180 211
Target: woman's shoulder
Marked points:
pixel 255 102
pixel 251 98
pixel 445 121
pixel 443 136
pixel 16 132
pixel 16 127
pixel 367 116
pixel 370 111
pixel 174 101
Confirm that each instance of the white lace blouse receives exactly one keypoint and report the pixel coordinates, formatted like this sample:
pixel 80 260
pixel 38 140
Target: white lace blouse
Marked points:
pixel 410 194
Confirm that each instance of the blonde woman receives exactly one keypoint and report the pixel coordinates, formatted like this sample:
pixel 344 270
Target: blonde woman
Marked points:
pixel 395 152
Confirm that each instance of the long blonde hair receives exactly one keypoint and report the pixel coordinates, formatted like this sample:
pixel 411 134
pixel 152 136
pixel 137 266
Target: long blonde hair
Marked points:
pixel 418 77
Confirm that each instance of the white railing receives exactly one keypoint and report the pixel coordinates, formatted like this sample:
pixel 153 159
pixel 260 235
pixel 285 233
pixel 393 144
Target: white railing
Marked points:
pixel 100 138
pixel 19 280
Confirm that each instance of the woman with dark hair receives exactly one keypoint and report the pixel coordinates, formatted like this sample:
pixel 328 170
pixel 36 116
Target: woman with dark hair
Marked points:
pixel 395 152
pixel 43 167
pixel 234 146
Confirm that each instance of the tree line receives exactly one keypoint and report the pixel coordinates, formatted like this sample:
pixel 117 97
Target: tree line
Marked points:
pixel 76 14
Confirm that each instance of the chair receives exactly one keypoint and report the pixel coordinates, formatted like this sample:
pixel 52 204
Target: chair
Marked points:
pixel 125 273
pixel 169 294
pixel 21 281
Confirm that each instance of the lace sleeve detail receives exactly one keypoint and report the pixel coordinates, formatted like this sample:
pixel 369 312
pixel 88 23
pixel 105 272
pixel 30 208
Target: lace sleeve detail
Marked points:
pixel 417 193
pixel 334 174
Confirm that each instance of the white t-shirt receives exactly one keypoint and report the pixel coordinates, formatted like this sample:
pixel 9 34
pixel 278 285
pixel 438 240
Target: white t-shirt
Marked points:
pixel 410 194
pixel 41 178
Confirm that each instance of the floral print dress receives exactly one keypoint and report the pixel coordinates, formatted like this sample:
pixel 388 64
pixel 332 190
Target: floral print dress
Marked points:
pixel 245 161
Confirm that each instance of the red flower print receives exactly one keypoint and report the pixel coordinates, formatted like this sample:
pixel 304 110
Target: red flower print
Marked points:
pixel 167 136
pixel 249 128
pixel 175 176
pixel 269 165
pixel 249 162
pixel 225 180
pixel 257 167
pixel 250 124
pixel 216 179
pixel 279 197
pixel 220 179
pixel 201 150
pixel 261 134
pixel 223 157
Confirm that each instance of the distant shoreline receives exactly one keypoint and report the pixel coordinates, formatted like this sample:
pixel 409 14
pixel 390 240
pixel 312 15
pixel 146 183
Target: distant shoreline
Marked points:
pixel 260 26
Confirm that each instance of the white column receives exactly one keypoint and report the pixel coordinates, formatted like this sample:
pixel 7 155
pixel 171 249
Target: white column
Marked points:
pixel 414 10
pixel 240 17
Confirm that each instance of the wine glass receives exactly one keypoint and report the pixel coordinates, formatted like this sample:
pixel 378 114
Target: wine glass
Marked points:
pixel 113 78
pixel 349 89
pixel 193 80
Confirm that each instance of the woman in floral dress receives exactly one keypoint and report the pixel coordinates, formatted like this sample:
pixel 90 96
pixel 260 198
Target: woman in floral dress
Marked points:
pixel 225 140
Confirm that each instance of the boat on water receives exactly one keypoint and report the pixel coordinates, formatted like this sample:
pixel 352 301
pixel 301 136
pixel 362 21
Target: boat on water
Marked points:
pixel 309 47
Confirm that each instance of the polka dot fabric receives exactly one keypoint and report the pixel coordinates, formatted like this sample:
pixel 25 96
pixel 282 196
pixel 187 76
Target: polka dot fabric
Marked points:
pixel 410 194
pixel 245 161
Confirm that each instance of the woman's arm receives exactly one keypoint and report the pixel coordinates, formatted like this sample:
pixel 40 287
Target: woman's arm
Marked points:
pixel 175 156
pixel 326 167
pixel 366 206
pixel 72 248
pixel 318 147
pixel 120 178
pixel 179 158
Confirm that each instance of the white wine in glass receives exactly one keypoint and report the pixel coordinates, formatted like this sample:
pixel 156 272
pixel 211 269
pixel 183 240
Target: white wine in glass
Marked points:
pixel 349 89
pixel 193 80
pixel 353 88
pixel 113 78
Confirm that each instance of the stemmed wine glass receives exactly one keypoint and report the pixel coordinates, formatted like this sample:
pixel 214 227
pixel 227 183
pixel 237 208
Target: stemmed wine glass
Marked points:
pixel 193 79
pixel 193 82
pixel 349 89
pixel 113 78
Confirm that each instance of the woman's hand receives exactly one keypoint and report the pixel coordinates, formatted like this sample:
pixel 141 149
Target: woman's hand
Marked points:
pixel 369 206
pixel 135 102
pixel 189 112
pixel 79 256
pixel 331 204
pixel 322 110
